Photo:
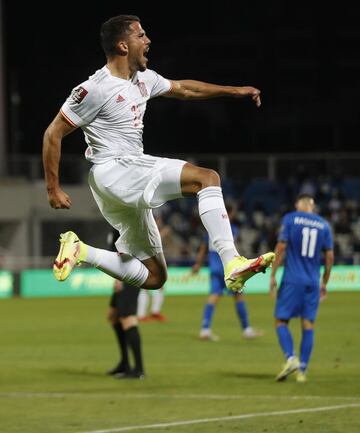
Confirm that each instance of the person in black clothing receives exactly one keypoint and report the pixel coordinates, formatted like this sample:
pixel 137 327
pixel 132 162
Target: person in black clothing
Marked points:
pixel 122 315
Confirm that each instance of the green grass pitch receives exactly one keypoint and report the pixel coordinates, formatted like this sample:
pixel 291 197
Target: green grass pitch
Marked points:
pixel 54 352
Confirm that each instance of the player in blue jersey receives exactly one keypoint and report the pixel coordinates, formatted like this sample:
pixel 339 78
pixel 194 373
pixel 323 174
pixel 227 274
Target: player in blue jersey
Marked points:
pixel 218 287
pixel 303 237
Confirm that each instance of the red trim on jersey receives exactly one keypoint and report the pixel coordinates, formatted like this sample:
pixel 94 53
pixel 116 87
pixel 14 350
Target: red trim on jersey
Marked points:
pixel 68 120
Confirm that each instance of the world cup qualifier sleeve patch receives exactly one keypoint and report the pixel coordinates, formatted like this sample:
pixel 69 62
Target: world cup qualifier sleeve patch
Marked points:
pixel 78 94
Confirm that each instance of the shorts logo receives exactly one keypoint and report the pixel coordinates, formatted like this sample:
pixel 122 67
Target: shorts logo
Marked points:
pixel 78 94
pixel 120 98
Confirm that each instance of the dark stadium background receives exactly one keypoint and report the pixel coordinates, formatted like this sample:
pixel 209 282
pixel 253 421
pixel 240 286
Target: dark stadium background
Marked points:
pixel 304 58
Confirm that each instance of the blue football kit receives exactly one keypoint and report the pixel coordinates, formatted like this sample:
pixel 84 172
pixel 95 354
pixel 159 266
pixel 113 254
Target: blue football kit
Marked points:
pixel 307 235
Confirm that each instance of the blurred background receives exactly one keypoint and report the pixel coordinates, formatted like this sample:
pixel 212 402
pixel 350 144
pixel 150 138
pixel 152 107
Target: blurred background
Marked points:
pixel 303 57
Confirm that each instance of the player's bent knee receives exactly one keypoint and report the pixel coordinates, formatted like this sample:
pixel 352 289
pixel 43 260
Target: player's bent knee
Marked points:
pixel 212 178
pixel 154 282
pixel 157 272
pixel 194 179
pixel 208 177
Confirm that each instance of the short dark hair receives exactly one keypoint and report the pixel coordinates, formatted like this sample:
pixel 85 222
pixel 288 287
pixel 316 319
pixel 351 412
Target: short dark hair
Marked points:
pixel 304 195
pixel 113 30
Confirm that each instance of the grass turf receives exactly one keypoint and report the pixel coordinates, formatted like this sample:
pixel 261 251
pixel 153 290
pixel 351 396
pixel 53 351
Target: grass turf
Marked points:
pixel 54 353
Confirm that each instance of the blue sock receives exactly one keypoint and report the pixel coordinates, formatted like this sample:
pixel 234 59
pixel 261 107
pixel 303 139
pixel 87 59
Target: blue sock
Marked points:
pixel 285 340
pixel 242 313
pixel 307 343
pixel 207 316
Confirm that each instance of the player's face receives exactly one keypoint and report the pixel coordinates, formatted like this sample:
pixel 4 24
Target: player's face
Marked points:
pixel 138 45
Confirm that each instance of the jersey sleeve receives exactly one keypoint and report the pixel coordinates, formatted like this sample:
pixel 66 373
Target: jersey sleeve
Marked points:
pixel 83 104
pixel 284 229
pixel 158 84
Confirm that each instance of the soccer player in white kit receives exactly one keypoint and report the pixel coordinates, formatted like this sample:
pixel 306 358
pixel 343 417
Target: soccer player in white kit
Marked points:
pixel 126 183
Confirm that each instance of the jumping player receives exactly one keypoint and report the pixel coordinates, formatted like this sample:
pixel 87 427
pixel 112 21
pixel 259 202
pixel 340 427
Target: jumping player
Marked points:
pixel 127 183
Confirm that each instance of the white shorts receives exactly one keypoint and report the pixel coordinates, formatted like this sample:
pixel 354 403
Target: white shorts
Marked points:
pixel 127 189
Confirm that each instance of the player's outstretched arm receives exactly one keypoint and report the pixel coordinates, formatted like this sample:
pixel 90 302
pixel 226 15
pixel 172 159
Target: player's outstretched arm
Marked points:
pixel 192 89
pixel 51 154
pixel 200 259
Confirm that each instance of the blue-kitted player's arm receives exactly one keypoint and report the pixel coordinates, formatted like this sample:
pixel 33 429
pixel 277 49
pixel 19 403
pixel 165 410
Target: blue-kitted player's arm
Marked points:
pixel 201 256
pixel 329 261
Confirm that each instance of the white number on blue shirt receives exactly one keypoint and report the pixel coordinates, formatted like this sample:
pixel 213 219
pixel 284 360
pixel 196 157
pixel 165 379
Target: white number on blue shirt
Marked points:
pixel 309 237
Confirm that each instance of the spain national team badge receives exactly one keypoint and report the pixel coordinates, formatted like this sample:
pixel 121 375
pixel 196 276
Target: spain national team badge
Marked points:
pixel 78 94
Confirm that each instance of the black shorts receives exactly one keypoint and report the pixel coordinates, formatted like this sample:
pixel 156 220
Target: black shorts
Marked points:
pixel 125 300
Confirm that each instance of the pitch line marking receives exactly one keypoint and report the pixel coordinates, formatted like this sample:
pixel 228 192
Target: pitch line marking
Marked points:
pixel 225 418
pixel 144 396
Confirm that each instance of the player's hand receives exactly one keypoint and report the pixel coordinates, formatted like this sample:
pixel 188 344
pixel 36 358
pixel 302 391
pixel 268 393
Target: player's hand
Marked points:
pixel 195 268
pixel 58 199
pixel 273 286
pixel 118 286
pixel 323 292
pixel 252 92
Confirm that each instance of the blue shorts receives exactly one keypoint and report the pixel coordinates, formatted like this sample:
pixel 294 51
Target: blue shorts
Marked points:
pixel 297 300
pixel 217 284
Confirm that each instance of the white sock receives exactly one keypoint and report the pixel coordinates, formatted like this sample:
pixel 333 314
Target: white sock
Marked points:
pixel 121 266
pixel 143 302
pixel 215 219
pixel 157 300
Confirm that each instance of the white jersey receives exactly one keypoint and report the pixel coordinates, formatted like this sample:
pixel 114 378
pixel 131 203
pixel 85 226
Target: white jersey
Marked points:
pixel 110 112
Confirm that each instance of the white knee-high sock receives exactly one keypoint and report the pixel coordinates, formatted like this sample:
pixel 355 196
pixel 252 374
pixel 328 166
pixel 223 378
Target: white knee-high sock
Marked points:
pixel 143 302
pixel 157 300
pixel 215 219
pixel 121 266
